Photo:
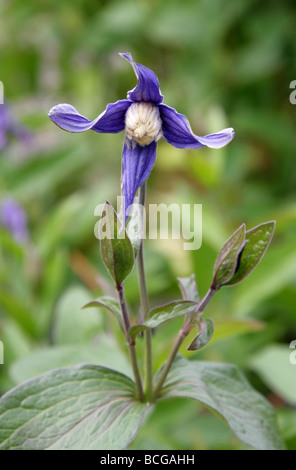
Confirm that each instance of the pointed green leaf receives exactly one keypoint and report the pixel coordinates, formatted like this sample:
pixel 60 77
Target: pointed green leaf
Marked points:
pixel 107 302
pixel 204 335
pixel 78 408
pixel 224 388
pixel 163 314
pixel 257 242
pixel 116 248
pixel 171 310
pixel 188 288
pixel 227 259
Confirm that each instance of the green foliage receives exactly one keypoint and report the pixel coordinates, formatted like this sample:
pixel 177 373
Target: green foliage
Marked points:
pixel 229 327
pixel 241 254
pixel 231 68
pixel 188 288
pixel 256 243
pixel 228 258
pixel 116 248
pixel 162 314
pixel 109 304
pixel 39 361
pixel 205 333
pixel 91 408
pixel 223 388
pixel 71 326
pixel 275 367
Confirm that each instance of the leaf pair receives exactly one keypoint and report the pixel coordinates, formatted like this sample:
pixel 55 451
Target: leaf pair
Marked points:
pixel 156 317
pixel 241 254
pixel 92 407
pixel 162 314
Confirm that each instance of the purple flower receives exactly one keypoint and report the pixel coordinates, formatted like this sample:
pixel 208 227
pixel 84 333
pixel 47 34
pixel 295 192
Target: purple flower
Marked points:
pixel 145 120
pixel 14 218
pixel 9 126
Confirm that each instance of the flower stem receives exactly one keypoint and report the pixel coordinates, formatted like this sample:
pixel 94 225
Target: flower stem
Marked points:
pixel 130 343
pixel 179 340
pixel 145 306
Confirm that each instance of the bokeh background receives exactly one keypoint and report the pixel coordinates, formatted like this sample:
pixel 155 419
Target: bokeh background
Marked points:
pixel 222 63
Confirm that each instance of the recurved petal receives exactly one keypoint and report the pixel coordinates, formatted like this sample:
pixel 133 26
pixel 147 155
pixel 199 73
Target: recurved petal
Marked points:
pixel 111 120
pixel 176 131
pixel 147 88
pixel 137 163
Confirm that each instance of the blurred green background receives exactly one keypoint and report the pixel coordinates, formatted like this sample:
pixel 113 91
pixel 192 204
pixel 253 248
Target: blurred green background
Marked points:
pixel 222 63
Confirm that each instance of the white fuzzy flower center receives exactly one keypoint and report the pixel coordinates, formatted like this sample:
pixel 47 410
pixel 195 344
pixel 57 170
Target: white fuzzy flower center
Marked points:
pixel 142 124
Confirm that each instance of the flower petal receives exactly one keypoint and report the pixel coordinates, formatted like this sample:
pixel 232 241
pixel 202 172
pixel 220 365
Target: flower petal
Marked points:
pixel 137 163
pixel 111 120
pixel 147 88
pixel 176 131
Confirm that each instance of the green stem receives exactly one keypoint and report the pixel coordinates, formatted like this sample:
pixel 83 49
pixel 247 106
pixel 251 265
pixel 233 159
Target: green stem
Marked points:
pixel 180 338
pixel 145 307
pixel 130 343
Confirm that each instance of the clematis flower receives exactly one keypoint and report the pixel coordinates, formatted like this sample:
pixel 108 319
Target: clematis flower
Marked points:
pixel 145 120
